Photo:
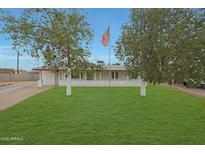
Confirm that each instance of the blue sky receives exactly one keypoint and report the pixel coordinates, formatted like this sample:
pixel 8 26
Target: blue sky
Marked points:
pixel 98 18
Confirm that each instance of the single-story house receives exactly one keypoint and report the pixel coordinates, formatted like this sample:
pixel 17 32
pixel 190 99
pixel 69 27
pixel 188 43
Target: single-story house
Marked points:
pixel 119 77
pixel 6 74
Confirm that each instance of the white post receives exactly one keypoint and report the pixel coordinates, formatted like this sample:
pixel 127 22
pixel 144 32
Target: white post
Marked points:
pixel 68 83
pixel 95 76
pixel 79 76
pixel 85 75
pixel 143 88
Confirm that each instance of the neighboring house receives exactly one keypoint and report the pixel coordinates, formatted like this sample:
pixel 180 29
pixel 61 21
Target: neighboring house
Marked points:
pixel 9 75
pixel 6 74
pixel 119 77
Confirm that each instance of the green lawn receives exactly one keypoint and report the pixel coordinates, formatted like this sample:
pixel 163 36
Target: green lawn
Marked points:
pixel 93 116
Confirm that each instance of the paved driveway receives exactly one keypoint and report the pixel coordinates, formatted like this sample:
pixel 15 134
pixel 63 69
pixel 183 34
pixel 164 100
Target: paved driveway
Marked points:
pixel 192 91
pixel 16 92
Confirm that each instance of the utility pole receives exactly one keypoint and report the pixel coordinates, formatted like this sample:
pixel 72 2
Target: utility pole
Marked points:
pixel 17 62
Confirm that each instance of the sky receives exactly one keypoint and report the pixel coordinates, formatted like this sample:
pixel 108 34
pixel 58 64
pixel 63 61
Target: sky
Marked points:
pixel 98 18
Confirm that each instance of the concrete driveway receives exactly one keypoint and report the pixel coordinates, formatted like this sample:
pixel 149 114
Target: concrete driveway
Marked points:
pixel 192 91
pixel 11 94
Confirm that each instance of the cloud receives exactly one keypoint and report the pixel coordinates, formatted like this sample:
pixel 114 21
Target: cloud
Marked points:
pixel 26 62
pixel 9 57
pixel 5 47
pixel 5 50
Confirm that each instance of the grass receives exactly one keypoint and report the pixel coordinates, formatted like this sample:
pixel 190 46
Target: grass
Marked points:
pixel 106 116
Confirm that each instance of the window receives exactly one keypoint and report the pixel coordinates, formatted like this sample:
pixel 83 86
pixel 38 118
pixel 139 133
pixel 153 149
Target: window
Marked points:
pixel 113 75
pixel 116 75
pixel 75 75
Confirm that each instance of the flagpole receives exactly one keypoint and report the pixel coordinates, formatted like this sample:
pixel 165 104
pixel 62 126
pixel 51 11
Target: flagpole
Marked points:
pixel 109 57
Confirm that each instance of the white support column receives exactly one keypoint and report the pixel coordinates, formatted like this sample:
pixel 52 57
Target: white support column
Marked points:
pixel 100 76
pixel 85 75
pixel 79 77
pixel 95 76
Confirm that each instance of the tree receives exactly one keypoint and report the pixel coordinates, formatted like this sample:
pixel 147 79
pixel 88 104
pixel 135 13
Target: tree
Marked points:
pixel 185 56
pixel 60 37
pixel 160 44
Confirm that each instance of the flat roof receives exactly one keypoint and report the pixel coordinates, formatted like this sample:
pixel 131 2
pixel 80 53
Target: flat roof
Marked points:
pixel 114 67
pixel 105 67
pixel 6 70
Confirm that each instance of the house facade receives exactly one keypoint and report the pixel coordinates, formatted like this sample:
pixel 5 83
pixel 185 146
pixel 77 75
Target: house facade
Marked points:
pixel 118 73
pixel 6 74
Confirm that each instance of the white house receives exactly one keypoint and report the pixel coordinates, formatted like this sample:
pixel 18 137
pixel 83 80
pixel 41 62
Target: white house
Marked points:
pixel 119 77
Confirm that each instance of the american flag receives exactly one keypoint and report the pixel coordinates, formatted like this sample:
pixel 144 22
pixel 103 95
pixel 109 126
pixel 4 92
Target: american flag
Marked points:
pixel 106 37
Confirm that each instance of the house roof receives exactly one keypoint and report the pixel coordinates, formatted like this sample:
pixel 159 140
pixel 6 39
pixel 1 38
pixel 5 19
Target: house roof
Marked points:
pixel 6 70
pixel 44 68
pixel 105 67
pixel 114 67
